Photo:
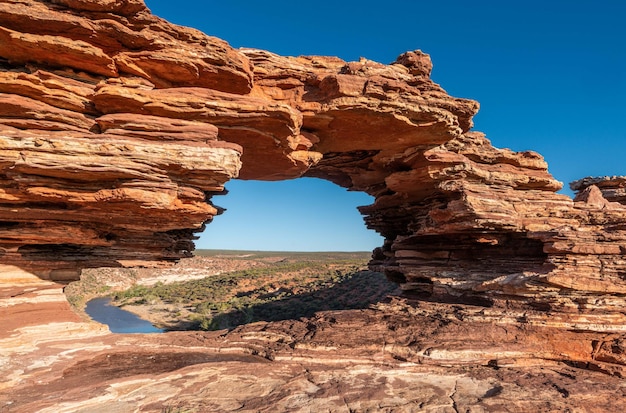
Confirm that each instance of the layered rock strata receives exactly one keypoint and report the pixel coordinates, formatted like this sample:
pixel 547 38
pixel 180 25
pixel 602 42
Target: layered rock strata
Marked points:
pixel 84 181
pixel 116 128
pixel 613 188
pixel 397 357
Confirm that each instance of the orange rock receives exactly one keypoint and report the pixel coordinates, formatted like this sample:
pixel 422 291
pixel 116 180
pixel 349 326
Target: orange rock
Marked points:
pixel 117 127
pixel 123 7
pixel 56 51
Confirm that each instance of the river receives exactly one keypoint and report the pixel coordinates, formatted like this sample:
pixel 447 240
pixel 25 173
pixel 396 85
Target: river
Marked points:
pixel 118 320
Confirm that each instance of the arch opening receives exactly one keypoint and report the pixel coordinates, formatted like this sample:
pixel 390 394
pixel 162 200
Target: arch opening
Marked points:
pixel 304 214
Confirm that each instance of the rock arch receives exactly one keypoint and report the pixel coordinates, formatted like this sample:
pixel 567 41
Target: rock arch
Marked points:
pixel 116 128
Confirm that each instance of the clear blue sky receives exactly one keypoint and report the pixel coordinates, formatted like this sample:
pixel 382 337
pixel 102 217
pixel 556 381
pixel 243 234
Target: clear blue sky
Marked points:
pixel 550 76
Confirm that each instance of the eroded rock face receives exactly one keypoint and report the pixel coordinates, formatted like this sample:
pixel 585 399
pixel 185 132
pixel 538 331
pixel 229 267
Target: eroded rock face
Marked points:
pixel 114 141
pixel 117 127
pixel 399 356
pixel 613 188
pixel 108 156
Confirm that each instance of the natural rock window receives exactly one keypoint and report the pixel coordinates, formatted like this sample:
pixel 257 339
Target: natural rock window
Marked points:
pixel 117 129
pixel 303 214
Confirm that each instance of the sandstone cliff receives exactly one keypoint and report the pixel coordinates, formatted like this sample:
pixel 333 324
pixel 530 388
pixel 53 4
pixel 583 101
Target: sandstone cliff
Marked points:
pixel 116 128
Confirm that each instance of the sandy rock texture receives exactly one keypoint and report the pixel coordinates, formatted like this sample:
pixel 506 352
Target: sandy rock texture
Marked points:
pixel 398 356
pixel 117 128
pixel 87 182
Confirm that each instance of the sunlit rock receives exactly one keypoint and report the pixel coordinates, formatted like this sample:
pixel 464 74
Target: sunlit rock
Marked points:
pixel 117 128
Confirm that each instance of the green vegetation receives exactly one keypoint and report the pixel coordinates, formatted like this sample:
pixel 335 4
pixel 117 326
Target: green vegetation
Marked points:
pixel 89 286
pixel 284 289
pixel 252 286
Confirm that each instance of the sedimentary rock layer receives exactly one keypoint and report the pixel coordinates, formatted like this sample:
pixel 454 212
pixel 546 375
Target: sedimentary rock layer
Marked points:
pixel 117 127
pixel 108 154
pixel 399 356
pixel 613 188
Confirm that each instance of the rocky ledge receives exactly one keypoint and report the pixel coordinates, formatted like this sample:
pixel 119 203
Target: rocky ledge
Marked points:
pixel 117 128
pixel 398 356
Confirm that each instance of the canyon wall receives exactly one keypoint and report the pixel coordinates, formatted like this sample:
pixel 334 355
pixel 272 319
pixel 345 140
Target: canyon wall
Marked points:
pixel 117 128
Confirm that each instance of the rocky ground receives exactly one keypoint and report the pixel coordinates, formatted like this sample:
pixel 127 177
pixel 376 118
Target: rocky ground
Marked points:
pixel 397 355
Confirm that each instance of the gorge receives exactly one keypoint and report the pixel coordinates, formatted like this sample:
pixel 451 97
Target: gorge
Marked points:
pixel 116 130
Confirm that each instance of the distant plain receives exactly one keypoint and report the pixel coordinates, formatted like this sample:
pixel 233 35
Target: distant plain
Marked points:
pixel 222 289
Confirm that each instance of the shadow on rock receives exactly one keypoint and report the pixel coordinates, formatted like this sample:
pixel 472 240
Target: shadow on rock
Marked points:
pixel 358 291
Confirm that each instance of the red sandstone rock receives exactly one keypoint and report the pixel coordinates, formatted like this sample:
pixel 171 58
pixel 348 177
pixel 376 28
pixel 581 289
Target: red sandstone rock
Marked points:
pixel 117 127
pixel 403 355
pixel 613 188
pixel 122 7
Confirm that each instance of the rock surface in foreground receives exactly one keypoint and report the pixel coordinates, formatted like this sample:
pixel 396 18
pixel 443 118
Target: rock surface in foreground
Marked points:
pixel 399 356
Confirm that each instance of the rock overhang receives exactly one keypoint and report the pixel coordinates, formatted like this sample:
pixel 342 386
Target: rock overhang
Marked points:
pixel 115 165
pixel 117 127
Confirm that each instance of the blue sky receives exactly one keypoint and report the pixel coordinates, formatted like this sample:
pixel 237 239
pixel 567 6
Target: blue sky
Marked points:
pixel 550 76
